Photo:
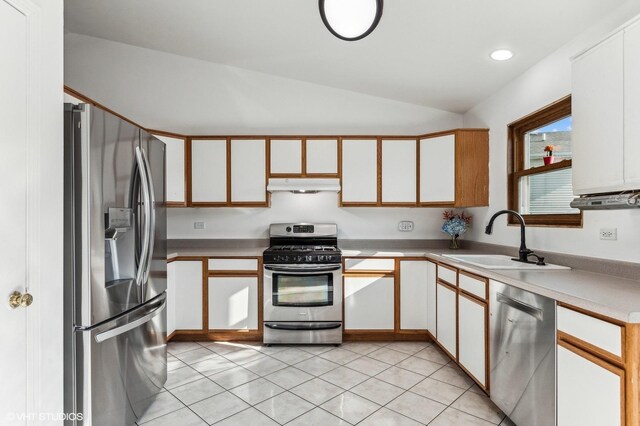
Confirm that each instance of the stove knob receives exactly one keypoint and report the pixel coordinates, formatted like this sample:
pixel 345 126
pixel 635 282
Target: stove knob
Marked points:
pixel 321 257
pixel 288 229
pixel 309 259
pixel 285 258
pixel 299 258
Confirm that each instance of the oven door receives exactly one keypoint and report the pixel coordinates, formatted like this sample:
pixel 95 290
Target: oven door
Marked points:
pixel 303 292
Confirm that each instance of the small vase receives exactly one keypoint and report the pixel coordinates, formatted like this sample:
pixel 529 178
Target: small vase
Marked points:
pixel 548 159
pixel 454 244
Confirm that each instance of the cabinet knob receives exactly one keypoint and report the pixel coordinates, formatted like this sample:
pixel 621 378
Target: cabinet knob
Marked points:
pixel 17 299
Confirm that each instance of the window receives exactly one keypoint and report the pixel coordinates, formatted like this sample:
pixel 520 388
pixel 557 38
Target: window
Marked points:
pixel 540 189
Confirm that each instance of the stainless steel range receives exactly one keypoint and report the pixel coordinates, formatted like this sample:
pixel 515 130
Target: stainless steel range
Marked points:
pixel 303 284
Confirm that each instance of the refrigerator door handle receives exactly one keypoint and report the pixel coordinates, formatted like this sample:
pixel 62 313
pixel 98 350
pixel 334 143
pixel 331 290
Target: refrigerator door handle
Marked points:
pixel 116 331
pixel 151 222
pixel 146 201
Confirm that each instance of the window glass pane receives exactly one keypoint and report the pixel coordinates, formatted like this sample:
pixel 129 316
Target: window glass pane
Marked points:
pixel 557 134
pixel 547 193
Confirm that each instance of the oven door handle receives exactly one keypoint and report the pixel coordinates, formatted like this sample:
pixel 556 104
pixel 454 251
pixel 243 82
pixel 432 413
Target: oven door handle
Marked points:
pixel 302 269
pixel 303 326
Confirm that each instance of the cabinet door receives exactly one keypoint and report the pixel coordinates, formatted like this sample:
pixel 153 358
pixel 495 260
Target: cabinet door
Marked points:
pixel 248 171
pixel 438 170
pixel 632 106
pixel 188 294
pixel 174 175
pixel 359 171
pixel 597 108
pixel 322 156
pixel 209 171
pixel 431 298
pixel 399 178
pixel 233 303
pixel 447 318
pixel 285 156
pixel 414 309
pixel 369 303
pixel 171 297
pixel 589 393
pixel 472 337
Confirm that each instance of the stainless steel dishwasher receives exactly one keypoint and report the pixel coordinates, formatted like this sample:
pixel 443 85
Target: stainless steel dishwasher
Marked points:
pixel 523 355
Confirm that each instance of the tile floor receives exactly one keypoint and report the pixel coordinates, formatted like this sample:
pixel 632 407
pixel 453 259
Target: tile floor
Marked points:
pixel 399 383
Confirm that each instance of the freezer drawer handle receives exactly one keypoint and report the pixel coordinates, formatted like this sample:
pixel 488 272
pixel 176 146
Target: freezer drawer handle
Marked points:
pixel 313 326
pixel 521 306
pixel 106 335
pixel 298 269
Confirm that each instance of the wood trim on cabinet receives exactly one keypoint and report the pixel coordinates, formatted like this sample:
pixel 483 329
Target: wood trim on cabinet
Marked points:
pixel 476 277
pixel 233 273
pixel 379 171
pixel 632 373
pixel 593 314
pixel 592 349
pixel 303 152
pixel 471 168
pixel 205 295
pixel 396 295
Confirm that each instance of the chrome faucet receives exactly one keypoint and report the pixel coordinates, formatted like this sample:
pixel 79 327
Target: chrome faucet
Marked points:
pixel 524 253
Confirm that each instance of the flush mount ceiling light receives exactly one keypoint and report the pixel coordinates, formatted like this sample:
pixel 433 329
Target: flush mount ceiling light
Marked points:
pixel 501 55
pixel 350 20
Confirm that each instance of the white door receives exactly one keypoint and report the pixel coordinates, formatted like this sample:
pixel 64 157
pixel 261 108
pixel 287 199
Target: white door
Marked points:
pixel 188 294
pixel 447 318
pixel 285 156
pixel 31 134
pixel 174 175
pixel 233 303
pixel 472 336
pixel 209 171
pixel 431 298
pixel 248 172
pixel 322 156
pixel 359 171
pixel 438 169
pixel 632 106
pixel 399 178
pixel 368 303
pixel 413 294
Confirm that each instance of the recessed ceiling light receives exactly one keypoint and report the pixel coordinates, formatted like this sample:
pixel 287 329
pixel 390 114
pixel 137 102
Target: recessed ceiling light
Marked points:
pixel 501 55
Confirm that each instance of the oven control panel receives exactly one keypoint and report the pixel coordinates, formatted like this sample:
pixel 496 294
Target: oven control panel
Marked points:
pixel 300 258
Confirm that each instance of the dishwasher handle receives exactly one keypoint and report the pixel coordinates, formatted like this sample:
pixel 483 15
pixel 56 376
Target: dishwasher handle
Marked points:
pixel 537 313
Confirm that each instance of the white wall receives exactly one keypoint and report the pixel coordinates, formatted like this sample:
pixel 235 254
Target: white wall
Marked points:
pixel 354 223
pixel 542 84
pixel 178 94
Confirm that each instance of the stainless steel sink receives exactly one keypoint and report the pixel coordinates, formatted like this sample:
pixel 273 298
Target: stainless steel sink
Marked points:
pixel 499 261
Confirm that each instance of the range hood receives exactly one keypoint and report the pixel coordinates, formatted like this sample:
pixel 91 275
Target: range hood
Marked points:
pixel 607 202
pixel 303 185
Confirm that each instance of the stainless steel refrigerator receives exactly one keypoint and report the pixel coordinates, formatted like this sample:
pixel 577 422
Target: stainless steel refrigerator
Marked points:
pixel 115 268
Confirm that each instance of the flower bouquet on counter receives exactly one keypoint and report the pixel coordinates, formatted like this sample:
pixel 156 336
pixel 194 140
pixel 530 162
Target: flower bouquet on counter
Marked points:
pixel 455 224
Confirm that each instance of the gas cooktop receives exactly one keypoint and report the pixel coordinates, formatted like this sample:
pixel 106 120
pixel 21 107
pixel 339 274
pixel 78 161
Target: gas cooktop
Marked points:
pixel 302 243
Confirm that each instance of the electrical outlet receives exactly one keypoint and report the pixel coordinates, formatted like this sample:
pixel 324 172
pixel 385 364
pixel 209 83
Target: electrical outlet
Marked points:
pixel 199 225
pixel 405 226
pixel 609 234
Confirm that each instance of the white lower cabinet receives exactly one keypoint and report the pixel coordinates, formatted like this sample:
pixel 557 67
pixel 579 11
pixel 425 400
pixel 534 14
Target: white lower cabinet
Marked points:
pixel 187 294
pixel 413 294
pixel 368 303
pixel 472 337
pixel 446 317
pixel 233 303
pixel 431 298
pixel 588 393
pixel 171 297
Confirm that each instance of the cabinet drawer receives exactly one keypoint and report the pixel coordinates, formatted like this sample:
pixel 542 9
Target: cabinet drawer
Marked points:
pixel 602 334
pixel 447 274
pixel 369 264
pixel 233 264
pixel 472 284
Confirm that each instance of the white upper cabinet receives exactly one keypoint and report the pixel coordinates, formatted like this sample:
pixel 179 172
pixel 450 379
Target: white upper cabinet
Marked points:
pixel 399 171
pixel 175 172
pixel 437 169
pixel 632 106
pixel 286 156
pixel 209 171
pixel 359 171
pixel 322 156
pixel 248 171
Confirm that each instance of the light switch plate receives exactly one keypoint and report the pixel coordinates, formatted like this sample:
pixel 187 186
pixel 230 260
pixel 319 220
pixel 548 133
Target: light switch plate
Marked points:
pixel 405 226
pixel 199 225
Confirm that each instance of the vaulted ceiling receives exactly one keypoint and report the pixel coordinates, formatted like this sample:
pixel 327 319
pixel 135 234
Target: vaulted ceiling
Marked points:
pixel 426 52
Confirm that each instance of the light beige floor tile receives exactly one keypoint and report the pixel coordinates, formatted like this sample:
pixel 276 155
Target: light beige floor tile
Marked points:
pixel 377 391
pixel 417 407
pixel 248 417
pixel 256 391
pixel 386 417
pixel 181 376
pixel 453 376
pixel 317 391
pixel 344 377
pixel 340 356
pixel 438 391
pixel 316 366
pixel 419 365
pixel 292 356
pixel 233 377
pixel 317 417
pixel 317 349
pixel 219 407
pixel 453 417
pixel 475 388
pixel 368 366
pixel 222 348
pixel 213 365
pixel 434 354
pixel 244 356
pixel 196 355
pixel 284 407
pixel 360 348
pixel 174 363
pixel 175 348
pixel 182 417
pixel 400 377
pixel 289 377
pixel 350 407
pixel 163 403
pixel 265 366
pixel 196 391
pixel 388 355
pixel 408 347
pixel 507 422
pixel 479 406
